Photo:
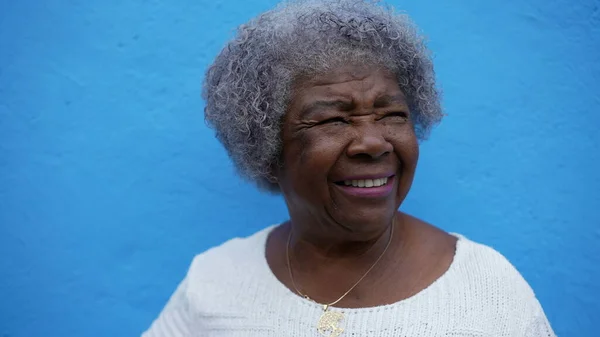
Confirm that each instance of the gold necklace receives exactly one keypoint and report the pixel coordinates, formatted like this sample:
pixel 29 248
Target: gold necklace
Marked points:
pixel 329 320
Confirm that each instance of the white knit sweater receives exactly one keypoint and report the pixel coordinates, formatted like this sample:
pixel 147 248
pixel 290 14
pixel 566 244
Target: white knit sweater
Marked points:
pixel 230 291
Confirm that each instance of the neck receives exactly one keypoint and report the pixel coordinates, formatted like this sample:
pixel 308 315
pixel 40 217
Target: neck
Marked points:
pixel 312 247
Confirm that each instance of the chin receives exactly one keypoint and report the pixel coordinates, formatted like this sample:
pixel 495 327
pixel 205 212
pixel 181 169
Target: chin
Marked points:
pixel 364 216
pixel 362 226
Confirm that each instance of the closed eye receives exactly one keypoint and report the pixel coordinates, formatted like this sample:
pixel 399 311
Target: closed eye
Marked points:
pixel 395 114
pixel 333 120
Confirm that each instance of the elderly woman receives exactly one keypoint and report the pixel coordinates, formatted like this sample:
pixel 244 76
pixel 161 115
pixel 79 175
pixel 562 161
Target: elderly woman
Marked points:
pixel 325 102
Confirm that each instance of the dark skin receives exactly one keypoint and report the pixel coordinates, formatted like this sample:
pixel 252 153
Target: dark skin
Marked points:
pixel 348 123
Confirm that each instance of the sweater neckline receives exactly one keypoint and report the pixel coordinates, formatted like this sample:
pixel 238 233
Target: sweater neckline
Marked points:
pixel 273 284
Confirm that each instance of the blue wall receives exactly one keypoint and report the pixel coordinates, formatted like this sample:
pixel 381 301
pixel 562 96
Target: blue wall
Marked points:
pixel 110 182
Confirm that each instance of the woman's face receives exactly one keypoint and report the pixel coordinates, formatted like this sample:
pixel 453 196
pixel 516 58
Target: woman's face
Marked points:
pixel 349 151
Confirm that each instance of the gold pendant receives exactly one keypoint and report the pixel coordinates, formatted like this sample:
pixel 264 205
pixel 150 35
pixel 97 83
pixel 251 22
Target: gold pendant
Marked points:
pixel 328 323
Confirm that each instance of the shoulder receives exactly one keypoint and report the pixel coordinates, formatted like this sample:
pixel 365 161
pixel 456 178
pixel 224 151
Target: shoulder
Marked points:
pixel 237 255
pixel 491 267
pixel 492 270
pixel 216 281
pixel 225 270
pixel 488 284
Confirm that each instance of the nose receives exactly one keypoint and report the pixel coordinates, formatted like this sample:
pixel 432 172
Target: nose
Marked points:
pixel 369 141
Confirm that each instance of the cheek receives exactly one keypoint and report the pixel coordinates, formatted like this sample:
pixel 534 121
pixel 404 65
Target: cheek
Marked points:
pixel 406 147
pixel 412 147
pixel 312 155
pixel 307 161
pixel 295 153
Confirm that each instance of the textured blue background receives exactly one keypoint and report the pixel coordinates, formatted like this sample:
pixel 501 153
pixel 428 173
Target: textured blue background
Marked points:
pixel 110 182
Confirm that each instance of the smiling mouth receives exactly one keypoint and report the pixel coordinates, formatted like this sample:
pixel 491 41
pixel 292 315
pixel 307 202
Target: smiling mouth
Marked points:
pixel 364 183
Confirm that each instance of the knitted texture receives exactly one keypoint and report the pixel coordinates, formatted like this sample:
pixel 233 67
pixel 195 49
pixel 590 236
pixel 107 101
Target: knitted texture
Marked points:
pixel 230 291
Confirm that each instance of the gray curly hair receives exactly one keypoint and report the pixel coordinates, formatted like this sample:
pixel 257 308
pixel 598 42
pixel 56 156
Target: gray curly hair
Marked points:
pixel 247 88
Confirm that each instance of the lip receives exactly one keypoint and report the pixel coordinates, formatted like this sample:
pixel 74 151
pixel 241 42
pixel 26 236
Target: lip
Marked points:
pixel 369 192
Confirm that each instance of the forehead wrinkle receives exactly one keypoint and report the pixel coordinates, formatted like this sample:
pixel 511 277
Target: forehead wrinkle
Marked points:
pixel 375 94
pixel 359 87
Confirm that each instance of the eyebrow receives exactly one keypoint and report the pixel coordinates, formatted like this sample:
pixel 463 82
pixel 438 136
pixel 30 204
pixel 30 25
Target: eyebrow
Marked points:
pixel 386 100
pixel 342 105
pixel 346 105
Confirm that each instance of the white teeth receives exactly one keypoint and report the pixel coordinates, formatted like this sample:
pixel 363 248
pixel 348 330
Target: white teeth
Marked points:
pixel 366 183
